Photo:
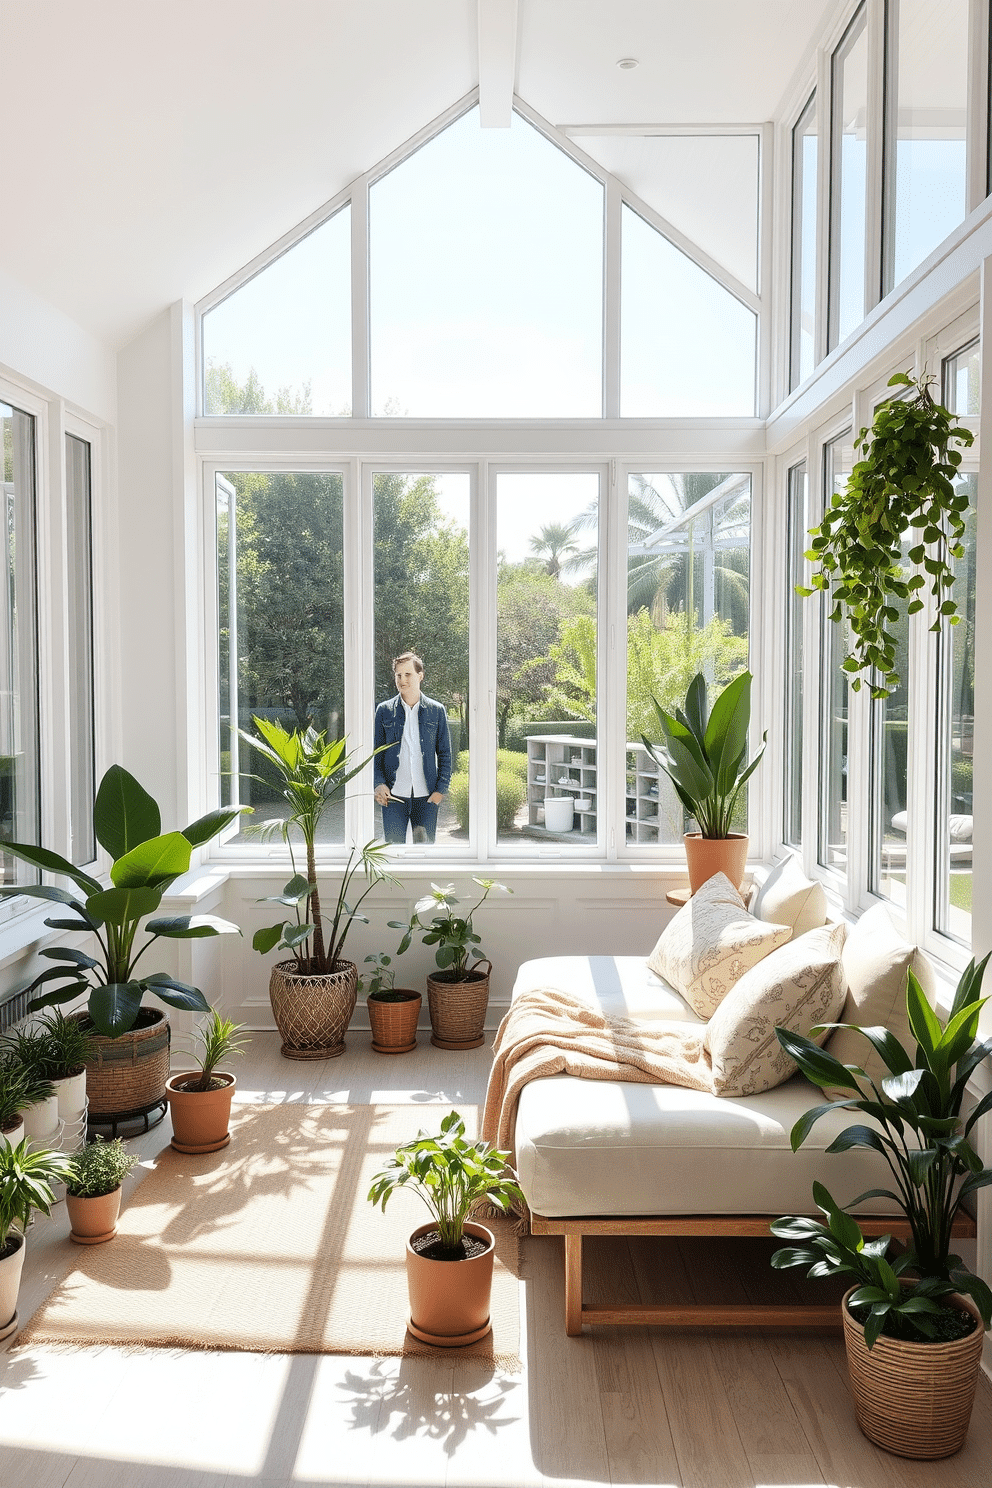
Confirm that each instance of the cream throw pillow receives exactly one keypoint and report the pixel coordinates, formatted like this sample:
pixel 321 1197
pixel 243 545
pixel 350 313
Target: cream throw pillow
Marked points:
pixel 876 963
pixel 788 897
pixel 796 987
pixel 710 943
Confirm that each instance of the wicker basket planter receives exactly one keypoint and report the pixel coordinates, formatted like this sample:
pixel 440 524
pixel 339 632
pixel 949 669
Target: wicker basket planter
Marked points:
pixel 313 1012
pixel 914 1399
pixel 394 1024
pixel 127 1075
pixel 458 1009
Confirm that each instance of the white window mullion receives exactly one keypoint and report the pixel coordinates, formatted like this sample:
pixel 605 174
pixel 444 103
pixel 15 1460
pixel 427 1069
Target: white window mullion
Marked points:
pixel 483 642
pixel 611 300
pixel 359 642
pixel 977 167
pixel 360 350
pixel 879 179
pixel 612 702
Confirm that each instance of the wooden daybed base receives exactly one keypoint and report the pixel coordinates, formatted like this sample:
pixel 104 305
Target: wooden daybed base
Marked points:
pixel 703 1314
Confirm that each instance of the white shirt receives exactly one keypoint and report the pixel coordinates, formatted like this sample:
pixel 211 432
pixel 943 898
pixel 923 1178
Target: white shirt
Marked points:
pixel 410 779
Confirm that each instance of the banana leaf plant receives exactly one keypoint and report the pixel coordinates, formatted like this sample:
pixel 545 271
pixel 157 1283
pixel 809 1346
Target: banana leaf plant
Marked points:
pixel 703 751
pixel 146 862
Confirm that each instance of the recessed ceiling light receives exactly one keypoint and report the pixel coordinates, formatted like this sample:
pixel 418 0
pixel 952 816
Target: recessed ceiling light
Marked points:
pixel 626 63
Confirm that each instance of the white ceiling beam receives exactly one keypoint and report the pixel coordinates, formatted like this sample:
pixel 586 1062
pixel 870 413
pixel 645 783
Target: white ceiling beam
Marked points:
pixel 497 62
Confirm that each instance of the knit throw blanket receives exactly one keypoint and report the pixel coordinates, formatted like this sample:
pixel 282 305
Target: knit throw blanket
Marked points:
pixel 546 1032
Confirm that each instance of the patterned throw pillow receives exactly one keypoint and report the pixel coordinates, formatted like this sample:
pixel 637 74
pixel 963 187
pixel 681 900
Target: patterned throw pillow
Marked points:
pixel 710 943
pixel 796 987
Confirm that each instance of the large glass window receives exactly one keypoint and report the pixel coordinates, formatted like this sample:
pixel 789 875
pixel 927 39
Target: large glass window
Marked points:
pixel 798 524
pixel 420 568
pixel 805 152
pixel 20 809
pixel 930 62
pixel 282 342
pixel 486 279
pixel 548 784
pixel 834 692
pixel 848 180
pixel 280 569
pixel 82 720
pixel 688 606
pixel 687 345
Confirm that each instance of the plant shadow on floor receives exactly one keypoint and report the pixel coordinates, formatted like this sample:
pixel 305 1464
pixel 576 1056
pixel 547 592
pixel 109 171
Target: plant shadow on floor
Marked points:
pixel 421 1399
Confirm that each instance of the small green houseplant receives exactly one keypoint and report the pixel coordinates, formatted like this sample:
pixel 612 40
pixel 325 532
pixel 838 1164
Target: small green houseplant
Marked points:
pixel 920 1133
pixel 393 1011
pixel 903 483
pixel 94 1185
pixel 25 1086
pixel 26 1179
pixel 145 863
pixel 200 1102
pixel 703 751
pixel 458 992
pixel 313 993
pixel 449 1304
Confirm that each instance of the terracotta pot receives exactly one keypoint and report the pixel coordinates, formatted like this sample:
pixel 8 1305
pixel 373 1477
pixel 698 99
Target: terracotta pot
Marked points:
pixel 200 1118
pixel 127 1075
pixel 458 1009
pixel 10 1281
pixel 449 1300
pixel 914 1399
pixel 313 1012
pixel 705 856
pixel 93 1220
pixel 394 1024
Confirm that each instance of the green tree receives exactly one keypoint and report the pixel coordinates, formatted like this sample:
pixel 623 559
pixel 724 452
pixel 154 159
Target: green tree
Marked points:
pixel 531 607
pixel 558 548
pixel 223 394
pixel 661 662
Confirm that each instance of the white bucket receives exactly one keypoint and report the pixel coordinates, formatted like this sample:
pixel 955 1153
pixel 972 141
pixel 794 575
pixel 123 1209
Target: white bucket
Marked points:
pixel 41 1122
pixel 71 1092
pixel 558 813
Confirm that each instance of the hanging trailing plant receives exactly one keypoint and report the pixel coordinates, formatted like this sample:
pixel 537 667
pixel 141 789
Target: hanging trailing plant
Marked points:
pixel 903 483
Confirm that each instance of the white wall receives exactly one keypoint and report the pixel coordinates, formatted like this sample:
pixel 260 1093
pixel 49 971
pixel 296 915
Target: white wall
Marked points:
pixel 40 344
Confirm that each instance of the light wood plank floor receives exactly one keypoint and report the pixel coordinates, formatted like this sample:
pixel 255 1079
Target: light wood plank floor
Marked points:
pixel 623 1406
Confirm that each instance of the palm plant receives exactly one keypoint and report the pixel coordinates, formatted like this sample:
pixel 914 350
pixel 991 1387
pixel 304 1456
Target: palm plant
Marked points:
pixel 557 545
pixel 214 1041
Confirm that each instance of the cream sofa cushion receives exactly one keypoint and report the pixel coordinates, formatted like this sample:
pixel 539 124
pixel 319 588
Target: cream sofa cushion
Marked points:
pixel 876 962
pixel 788 897
pixel 796 987
pixel 711 943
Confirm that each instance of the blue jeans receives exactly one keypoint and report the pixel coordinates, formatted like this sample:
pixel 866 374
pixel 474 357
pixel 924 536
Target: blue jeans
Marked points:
pixel 419 811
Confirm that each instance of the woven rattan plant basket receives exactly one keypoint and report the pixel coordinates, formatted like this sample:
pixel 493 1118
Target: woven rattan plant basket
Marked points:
pixel 313 1012
pixel 914 1399
pixel 128 1073
pixel 394 1024
pixel 458 1009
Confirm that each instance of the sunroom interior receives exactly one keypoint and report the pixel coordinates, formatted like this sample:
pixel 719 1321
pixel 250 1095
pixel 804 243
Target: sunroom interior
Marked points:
pixel 532 336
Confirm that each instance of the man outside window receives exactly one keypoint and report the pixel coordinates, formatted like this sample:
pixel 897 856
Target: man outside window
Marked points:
pixel 413 772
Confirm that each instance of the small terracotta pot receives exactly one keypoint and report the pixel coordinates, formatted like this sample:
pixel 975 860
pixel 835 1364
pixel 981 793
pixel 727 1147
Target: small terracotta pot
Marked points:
pixel 394 1024
pixel 449 1300
pixel 200 1118
pixel 10 1280
pixel 705 856
pixel 93 1220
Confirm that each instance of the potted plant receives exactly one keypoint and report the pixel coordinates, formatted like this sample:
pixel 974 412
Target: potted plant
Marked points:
pixel 704 753
pixel 913 1358
pixel 40 1112
pixel 313 993
pixel 130 1076
pixel 449 1260
pixel 393 1011
pixel 904 482
pixel 59 1048
pixel 16 1093
pixel 26 1180
pixel 94 1179
pixel 458 992
pixel 200 1101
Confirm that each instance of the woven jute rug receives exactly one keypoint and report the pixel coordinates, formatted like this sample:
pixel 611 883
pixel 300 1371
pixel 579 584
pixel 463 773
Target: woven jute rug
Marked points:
pixel 271 1246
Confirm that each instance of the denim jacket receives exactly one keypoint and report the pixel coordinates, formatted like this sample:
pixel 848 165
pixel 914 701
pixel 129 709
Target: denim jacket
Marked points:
pixel 435 742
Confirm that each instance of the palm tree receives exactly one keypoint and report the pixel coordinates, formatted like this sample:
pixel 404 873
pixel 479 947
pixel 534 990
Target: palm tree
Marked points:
pixel 666 580
pixel 557 546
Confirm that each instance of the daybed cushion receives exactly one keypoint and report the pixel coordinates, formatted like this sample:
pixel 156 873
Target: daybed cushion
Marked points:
pixel 711 943
pixel 588 1147
pixel 796 987
pixel 617 986
pixel 788 897
pixel 876 961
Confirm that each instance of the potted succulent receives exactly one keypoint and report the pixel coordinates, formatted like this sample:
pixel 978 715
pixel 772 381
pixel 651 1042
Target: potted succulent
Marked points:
pixel 913 1324
pixel 126 1076
pixel 26 1180
pixel 449 1260
pixel 393 1011
pixel 704 753
pixel 458 992
pixel 200 1101
pixel 313 993
pixel 94 1179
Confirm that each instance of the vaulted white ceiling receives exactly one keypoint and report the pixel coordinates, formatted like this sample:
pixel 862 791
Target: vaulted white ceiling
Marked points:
pixel 149 150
